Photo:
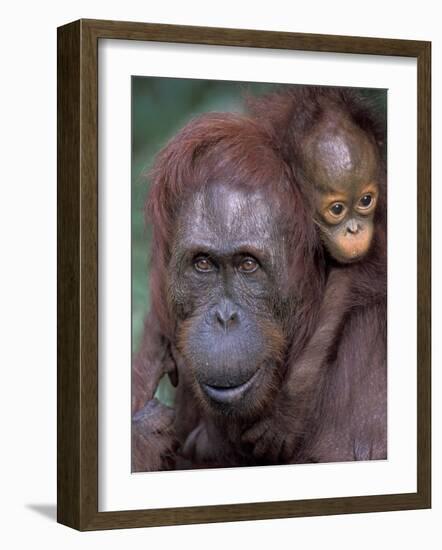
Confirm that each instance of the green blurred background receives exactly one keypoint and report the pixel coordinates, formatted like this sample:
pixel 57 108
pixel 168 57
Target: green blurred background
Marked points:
pixel 160 107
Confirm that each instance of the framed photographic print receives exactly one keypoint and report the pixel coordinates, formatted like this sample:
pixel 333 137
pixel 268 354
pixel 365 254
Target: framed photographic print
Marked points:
pixel 243 275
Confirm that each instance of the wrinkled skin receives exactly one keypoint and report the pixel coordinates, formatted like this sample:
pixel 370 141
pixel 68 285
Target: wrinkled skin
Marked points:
pixel 228 286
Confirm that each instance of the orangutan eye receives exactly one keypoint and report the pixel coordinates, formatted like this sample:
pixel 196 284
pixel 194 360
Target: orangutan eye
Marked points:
pixel 248 265
pixel 365 201
pixel 203 265
pixel 337 209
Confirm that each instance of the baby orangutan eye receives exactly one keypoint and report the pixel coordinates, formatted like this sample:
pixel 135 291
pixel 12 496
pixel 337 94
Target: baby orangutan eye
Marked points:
pixel 203 265
pixel 337 209
pixel 248 265
pixel 365 201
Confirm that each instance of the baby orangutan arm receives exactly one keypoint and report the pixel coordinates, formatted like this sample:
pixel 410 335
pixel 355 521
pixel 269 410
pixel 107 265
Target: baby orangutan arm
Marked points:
pixel 276 437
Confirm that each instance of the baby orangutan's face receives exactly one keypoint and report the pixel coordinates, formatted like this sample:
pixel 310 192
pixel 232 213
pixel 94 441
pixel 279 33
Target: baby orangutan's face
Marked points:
pixel 346 221
pixel 342 165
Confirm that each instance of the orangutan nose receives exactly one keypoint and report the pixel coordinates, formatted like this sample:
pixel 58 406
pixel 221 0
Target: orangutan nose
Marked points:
pixel 353 227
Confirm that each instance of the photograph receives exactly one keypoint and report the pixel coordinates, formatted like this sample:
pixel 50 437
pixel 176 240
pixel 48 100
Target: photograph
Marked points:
pixel 259 274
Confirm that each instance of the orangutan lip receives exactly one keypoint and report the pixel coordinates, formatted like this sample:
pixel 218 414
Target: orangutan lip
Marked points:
pixel 229 394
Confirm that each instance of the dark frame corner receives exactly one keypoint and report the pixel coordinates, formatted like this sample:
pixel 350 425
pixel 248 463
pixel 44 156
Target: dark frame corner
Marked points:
pixel 77 225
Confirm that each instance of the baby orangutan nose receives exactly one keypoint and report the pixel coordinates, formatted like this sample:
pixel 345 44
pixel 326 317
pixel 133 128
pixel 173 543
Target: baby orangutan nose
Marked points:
pixel 353 227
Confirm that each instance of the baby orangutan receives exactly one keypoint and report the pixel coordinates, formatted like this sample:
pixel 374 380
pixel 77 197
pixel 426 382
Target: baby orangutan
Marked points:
pixel 341 166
